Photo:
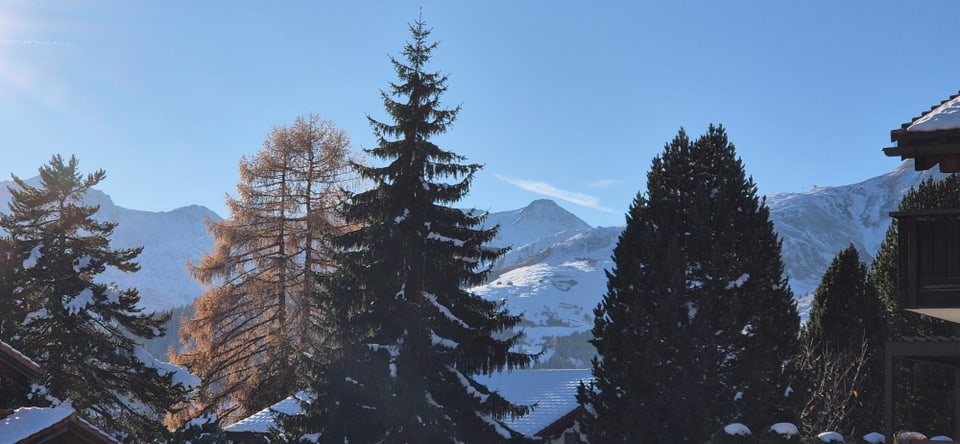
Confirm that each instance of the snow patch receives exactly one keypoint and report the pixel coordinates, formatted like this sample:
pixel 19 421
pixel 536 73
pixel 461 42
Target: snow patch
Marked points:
pixel 79 302
pixel 830 437
pixel 437 340
pixel 737 429
pixel 691 310
pixel 785 429
pixel 31 261
pixel 739 282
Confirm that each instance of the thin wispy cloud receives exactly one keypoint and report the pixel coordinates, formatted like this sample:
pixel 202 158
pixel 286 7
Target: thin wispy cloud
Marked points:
pixel 35 42
pixel 604 183
pixel 548 190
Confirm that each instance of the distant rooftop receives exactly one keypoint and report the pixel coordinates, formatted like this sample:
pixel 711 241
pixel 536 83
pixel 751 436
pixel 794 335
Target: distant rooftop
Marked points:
pixel 553 391
pixel 262 421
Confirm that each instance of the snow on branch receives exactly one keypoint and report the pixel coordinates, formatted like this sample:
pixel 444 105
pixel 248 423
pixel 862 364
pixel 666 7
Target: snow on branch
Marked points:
pixel 180 374
pixel 443 309
pixel 471 390
pixel 435 339
pixel 439 237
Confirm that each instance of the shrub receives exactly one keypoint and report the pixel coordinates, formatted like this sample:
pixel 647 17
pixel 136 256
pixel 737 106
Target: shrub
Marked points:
pixel 734 433
pixel 780 432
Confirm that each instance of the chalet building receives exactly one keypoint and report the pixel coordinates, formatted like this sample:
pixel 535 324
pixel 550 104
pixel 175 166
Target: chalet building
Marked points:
pixel 553 419
pixel 35 425
pixel 928 268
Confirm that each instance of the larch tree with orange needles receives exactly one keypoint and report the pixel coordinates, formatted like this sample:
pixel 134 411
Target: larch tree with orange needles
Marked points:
pixel 250 322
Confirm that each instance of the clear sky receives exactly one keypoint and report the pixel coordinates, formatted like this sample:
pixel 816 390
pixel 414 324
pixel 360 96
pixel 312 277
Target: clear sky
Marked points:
pixel 561 99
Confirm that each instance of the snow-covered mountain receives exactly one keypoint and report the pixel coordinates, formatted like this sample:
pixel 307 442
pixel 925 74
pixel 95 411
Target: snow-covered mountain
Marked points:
pixel 555 274
pixel 168 239
pixel 817 224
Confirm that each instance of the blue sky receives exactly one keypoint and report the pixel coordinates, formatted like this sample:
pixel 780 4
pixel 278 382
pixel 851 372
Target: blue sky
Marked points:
pixel 567 100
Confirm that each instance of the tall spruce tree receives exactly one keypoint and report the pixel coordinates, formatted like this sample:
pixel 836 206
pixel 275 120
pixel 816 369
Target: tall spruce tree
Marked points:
pixel 86 335
pixel 252 321
pixel 411 339
pixel 843 341
pixel 698 323
pixel 924 390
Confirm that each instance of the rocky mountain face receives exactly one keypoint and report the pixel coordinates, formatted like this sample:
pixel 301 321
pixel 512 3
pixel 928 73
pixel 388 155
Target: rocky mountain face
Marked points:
pixel 554 273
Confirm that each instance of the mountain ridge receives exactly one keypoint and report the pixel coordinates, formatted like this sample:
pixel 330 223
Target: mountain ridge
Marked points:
pixel 553 274
pixel 163 280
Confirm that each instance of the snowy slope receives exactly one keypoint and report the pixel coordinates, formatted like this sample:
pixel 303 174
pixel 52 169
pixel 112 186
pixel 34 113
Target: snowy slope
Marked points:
pixel 556 276
pixel 817 224
pixel 169 239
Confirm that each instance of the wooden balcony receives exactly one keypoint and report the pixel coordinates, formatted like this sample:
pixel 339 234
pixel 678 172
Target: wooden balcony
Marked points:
pixel 928 280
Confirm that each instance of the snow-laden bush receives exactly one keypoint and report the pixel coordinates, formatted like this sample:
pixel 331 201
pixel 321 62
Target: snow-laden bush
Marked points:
pixel 908 435
pixel 734 433
pixel 874 438
pixel 780 432
pixel 830 437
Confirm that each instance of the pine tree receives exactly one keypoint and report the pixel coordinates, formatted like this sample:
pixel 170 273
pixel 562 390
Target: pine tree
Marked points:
pixel 848 325
pixel 253 319
pixel 923 389
pixel 698 323
pixel 410 338
pixel 9 264
pixel 85 334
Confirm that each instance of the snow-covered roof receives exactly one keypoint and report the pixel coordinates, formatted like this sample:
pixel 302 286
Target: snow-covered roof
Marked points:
pixel 553 391
pixel 931 138
pixel 262 421
pixel 15 354
pixel 946 116
pixel 27 422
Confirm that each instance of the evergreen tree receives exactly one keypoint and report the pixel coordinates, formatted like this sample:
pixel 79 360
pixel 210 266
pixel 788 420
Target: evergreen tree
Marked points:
pixel 9 263
pixel 85 334
pixel 253 318
pixel 924 391
pixel 848 325
pixel 410 338
pixel 698 324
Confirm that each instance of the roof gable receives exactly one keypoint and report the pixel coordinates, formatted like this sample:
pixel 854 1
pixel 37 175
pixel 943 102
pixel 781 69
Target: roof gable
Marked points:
pixel 552 392
pixel 16 366
pixel 49 424
pixel 931 138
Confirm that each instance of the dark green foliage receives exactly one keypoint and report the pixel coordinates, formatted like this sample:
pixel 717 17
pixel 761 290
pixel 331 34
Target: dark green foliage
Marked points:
pixel 10 262
pixel 698 323
pixel 405 338
pixel 925 400
pixel 843 344
pixel 85 335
